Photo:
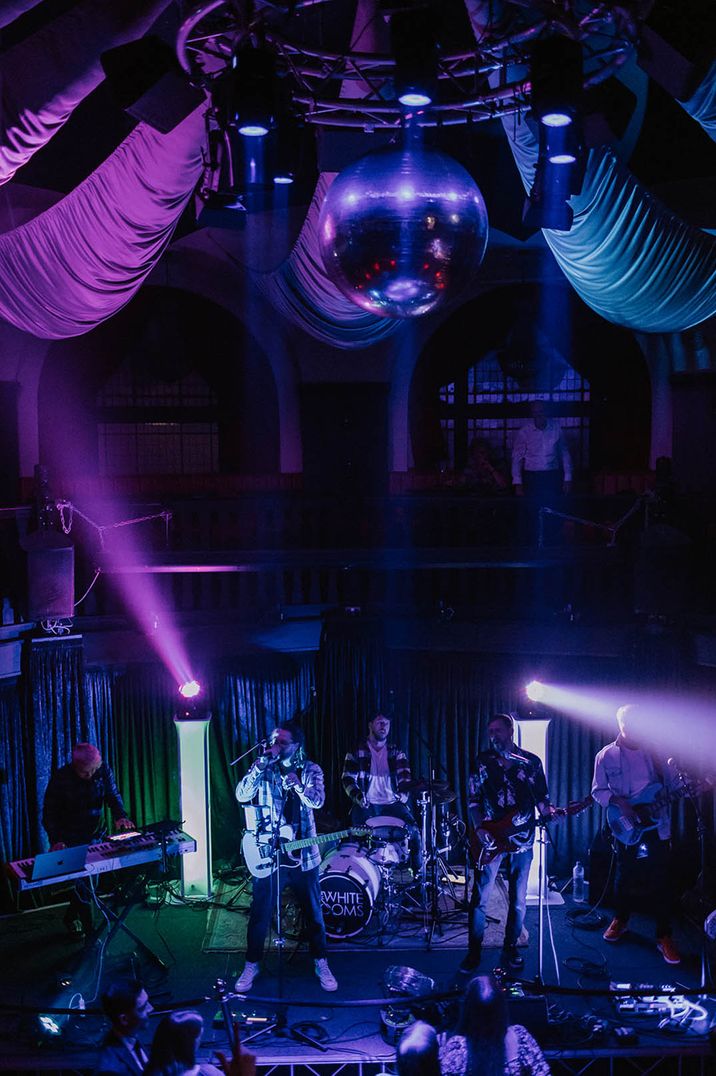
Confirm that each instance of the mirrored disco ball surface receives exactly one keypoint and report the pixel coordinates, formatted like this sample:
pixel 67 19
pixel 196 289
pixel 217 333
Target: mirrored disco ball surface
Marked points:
pixel 402 231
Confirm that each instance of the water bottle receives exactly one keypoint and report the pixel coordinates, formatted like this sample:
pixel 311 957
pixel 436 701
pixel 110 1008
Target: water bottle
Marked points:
pixel 578 883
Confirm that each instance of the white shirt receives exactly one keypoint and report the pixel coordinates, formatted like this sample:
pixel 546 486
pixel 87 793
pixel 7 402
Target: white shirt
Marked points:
pixel 625 771
pixel 540 450
pixel 380 789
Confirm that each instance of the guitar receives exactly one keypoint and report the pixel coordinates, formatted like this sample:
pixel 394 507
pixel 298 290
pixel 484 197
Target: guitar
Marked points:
pixel 514 822
pixel 259 857
pixel 646 806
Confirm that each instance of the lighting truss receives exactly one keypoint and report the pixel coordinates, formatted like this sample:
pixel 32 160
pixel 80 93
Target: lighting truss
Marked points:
pixel 212 32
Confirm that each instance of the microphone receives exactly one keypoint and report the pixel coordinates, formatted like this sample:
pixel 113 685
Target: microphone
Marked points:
pixel 514 757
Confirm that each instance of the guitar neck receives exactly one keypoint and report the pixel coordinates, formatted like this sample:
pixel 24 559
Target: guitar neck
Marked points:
pixel 324 838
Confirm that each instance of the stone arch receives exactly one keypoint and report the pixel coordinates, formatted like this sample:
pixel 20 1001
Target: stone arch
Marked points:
pixel 170 331
pixel 506 319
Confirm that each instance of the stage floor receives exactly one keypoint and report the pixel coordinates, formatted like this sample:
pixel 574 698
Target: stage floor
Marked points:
pixel 44 967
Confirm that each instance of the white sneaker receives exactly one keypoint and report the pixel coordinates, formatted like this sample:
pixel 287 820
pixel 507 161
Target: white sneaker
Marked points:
pixel 325 976
pixel 246 980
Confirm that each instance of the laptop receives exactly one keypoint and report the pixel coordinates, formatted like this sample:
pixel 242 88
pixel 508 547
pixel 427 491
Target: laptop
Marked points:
pixel 64 861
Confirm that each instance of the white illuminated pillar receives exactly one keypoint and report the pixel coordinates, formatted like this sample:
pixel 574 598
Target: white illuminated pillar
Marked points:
pixel 532 736
pixel 195 801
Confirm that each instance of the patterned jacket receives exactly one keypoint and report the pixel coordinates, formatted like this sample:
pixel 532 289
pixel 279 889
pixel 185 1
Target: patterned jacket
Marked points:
pixel 356 772
pixel 262 793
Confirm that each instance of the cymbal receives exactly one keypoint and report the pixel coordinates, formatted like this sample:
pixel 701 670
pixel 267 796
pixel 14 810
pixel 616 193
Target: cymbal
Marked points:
pixel 440 790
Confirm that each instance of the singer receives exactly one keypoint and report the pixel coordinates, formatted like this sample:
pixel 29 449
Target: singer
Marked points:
pixel 505 781
pixel 284 787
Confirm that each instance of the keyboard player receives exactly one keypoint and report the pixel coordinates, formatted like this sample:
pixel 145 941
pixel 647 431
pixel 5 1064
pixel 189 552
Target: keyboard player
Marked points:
pixel 73 813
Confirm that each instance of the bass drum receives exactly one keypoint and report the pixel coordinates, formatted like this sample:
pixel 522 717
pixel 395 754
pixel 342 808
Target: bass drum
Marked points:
pixel 349 889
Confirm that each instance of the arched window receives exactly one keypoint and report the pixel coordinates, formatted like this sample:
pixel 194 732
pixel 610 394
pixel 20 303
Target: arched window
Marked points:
pixel 149 426
pixel 490 400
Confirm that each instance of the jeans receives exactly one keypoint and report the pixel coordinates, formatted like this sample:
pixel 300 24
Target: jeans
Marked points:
pixel 518 869
pixel 646 875
pixel 263 903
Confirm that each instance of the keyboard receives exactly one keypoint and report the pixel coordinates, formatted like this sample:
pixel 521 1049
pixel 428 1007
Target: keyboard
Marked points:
pixel 108 856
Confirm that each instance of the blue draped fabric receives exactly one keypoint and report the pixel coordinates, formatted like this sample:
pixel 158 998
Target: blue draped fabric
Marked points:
pixel 302 291
pixel 14 814
pixel 53 719
pixel 628 257
pixel 701 106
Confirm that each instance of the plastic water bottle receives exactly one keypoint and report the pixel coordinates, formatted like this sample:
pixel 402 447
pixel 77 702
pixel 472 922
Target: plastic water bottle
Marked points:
pixel 578 883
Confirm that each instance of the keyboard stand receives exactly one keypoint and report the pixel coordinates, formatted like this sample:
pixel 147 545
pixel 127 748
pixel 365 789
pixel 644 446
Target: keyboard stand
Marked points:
pixel 117 921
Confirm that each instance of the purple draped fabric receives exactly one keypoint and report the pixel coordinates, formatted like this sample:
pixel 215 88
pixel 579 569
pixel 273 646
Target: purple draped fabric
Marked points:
pixel 45 77
pixel 80 261
pixel 13 9
pixel 303 292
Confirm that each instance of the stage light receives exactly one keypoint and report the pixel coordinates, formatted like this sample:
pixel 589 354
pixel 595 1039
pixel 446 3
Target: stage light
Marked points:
pixel 414 44
pixel 556 80
pixel 283 180
pixel 245 96
pixel 190 689
pixel 562 158
pixel 535 691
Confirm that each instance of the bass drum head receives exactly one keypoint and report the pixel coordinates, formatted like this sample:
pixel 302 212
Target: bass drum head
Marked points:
pixel 349 888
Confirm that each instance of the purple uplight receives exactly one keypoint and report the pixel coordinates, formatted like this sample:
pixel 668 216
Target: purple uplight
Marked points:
pixel 190 689
pixel 535 691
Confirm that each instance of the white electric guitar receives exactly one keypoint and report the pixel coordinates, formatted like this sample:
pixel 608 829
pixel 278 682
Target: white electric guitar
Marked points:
pixel 258 853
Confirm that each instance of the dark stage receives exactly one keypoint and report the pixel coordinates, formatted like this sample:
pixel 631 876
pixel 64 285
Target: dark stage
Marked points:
pixel 38 957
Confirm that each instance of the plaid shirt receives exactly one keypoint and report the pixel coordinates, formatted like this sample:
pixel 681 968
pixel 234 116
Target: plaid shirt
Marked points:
pixel 356 772
pixel 262 789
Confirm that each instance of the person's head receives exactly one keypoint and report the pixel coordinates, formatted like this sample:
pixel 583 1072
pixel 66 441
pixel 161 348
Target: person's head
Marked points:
pixel 176 1041
pixel 417 1053
pixel 126 1005
pixel 86 760
pixel 483 1022
pixel 631 722
pixel 379 727
pixel 500 731
pixel 288 737
pixel 479 451
pixel 539 412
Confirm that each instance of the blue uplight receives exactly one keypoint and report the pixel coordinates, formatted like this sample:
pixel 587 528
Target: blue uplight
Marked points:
pixel 415 99
pixel 283 180
pixel 556 119
pixel 562 158
pixel 253 130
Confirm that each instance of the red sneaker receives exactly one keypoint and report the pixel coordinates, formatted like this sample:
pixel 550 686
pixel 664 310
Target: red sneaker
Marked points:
pixel 614 931
pixel 668 950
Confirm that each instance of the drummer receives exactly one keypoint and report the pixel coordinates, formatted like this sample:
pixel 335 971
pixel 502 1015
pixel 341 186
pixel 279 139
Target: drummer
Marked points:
pixel 376 778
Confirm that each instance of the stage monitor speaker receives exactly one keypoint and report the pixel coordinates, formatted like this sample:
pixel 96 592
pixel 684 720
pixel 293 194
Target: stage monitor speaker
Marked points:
pixel 50 581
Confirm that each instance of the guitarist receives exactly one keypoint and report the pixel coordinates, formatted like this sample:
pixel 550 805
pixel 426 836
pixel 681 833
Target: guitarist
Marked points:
pixel 285 787
pixel 622 770
pixel 506 781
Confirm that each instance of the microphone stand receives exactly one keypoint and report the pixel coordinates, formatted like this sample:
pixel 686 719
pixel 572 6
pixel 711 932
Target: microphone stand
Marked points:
pixel 701 834
pixel 256 747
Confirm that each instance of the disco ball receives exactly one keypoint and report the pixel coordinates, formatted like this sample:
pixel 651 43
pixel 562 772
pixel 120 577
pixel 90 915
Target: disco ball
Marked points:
pixel 402 231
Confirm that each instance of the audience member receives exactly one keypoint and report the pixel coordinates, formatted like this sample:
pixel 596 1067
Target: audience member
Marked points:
pixel 539 456
pixel 480 474
pixel 126 1005
pixel 485 1043
pixel 175 1045
pixel 417 1053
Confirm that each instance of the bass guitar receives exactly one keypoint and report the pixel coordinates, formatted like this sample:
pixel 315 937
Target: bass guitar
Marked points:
pixel 258 847
pixel 503 832
pixel 646 805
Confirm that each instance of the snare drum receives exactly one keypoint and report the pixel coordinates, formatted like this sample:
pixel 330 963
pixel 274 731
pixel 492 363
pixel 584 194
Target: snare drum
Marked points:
pixel 388 840
pixel 349 889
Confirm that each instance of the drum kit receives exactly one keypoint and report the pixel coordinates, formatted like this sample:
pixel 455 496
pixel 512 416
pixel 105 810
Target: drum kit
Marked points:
pixel 400 868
